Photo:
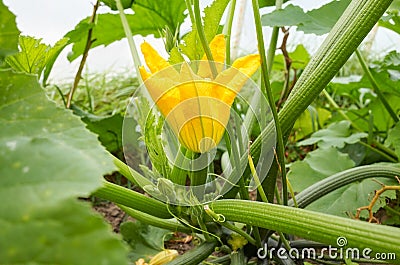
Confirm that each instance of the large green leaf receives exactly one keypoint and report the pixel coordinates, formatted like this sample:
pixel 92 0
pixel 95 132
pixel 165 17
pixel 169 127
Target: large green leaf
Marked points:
pixel 150 17
pixel 35 56
pixel 9 32
pixel 346 200
pixel 336 135
pixel 322 163
pixel 317 165
pixel 48 159
pixel 145 240
pixel 192 47
pixel 318 21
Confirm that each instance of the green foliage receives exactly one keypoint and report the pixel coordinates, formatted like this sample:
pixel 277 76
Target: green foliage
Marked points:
pixel 9 32
pixel 363 106
pixel 150 17
pixel 35 57
pixel 345 201
pixel 310 121
pixel 299 57
pixel 49 159
pixel 317 165
pixel 145 240
pixel 336 135
pixel 192 47
pixel 393 138
pixel 391 21
pixel 109 130
pixel 325 162
pixel 318 21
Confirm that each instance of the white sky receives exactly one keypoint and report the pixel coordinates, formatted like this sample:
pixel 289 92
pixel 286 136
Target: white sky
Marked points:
pixel 52 19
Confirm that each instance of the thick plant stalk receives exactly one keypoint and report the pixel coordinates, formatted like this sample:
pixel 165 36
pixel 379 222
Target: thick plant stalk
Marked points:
pixel 352 27
pixel 311 225
pixel 132 199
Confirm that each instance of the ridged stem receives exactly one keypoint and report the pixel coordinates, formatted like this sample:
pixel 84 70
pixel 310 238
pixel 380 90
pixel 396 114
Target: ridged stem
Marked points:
pixel 311 225
pixel 132 199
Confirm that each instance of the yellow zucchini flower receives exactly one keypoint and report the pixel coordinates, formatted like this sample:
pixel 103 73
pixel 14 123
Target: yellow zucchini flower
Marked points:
pixel 197 106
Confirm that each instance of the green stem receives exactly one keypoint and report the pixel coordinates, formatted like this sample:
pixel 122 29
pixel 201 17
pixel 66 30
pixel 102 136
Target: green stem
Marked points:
pixel 191 14
pixel 217 218
pixel 132 199
pixel 267 87
pixel 391 210
pixel 274 39
pixel 376 87
pixel 257 180
pixel 203 39
pixel 131 174
pixel 129 36
pixel 171 225
pixel 228 31
pixel 178 174
pixel 311 225
pixel 388 157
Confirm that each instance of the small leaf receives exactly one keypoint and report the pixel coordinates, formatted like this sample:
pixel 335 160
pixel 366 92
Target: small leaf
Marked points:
pixel 318 21
pixel 336 135
pixel 35 56
pixel 9 32
pixel 145 240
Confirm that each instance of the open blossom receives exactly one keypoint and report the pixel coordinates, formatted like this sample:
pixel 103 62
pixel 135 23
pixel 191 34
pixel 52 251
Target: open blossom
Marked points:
pixel 197 105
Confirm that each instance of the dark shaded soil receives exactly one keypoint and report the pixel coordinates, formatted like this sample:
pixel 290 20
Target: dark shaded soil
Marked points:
pixel 111 213
pixel 115 217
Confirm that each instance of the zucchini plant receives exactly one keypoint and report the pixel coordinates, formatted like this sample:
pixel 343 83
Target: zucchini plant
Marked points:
pixel 207 140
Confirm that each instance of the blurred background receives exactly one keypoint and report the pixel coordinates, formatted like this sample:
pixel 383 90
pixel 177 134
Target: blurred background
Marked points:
pixel 52 19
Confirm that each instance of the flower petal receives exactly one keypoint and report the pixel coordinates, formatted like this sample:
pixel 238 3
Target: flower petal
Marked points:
pixel 217 47
pixel 153 60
